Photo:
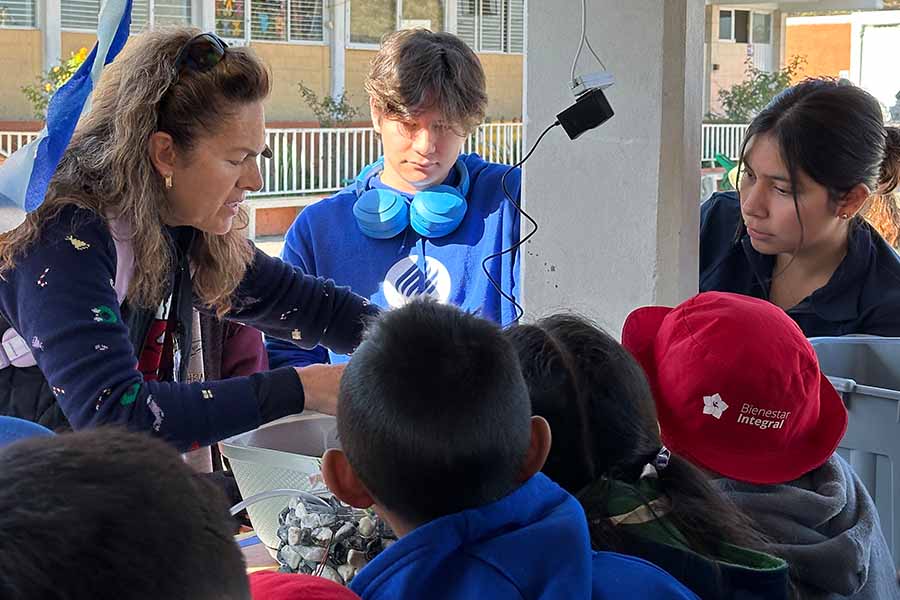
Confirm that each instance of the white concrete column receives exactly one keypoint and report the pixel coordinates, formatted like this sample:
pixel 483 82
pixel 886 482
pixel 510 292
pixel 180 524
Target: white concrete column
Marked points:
pixel 50 16
pixel 205 14
pixel 619 207
pixel 782 38
pixel 338 41
pixel 450 9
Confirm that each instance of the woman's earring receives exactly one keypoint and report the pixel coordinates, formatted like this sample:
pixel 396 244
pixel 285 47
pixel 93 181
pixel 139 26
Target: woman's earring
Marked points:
pixel 844 216
pixel 168 179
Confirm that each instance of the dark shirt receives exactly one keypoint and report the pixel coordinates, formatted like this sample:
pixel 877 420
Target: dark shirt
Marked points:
pixel 60 297
pixel 862 296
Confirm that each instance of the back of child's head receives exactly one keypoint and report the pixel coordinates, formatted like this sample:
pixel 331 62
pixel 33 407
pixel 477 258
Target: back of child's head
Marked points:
pixel 109 514
pixel 601 412
pixel 593 394
pixel 433 413
pixel 737 386
pixel 417 70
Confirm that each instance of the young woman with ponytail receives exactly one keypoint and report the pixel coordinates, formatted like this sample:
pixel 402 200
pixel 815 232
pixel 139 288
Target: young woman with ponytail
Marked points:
pixel 815 165
pixel 639 498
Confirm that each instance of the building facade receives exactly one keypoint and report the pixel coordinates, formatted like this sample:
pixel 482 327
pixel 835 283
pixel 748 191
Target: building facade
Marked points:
pixel 738 35
pixel 861 46
pixel 325 44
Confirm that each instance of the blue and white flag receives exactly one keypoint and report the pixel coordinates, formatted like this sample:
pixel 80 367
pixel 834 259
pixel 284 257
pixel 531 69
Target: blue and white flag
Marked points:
pixel 25 175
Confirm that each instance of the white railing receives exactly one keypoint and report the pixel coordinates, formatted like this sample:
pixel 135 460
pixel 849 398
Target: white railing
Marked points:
pixel 314 161
pixel 497 142
pixel 10 141
pixel 317 161
pixel 722 139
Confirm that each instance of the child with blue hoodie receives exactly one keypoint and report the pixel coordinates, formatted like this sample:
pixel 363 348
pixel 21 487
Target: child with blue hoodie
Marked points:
pixel 419 221
pixel 437 436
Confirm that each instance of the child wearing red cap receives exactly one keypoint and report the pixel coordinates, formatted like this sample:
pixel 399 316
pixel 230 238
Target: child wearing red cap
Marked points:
pixel 639 498
pixel 739 392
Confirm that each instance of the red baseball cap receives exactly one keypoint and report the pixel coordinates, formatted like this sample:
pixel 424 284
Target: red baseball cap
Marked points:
pixel 266 585
pixel 737 386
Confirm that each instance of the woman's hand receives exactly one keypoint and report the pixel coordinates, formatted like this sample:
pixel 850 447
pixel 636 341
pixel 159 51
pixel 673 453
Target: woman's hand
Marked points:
pixel 320 386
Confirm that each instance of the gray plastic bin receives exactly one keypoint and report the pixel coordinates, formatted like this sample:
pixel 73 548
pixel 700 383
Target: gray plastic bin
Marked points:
pixel 866 372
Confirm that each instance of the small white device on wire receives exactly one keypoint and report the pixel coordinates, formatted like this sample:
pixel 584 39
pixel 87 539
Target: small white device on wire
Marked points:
pixel 591 109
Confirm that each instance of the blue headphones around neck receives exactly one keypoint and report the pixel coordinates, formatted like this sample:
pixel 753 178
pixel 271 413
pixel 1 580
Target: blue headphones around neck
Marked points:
pixel 434 212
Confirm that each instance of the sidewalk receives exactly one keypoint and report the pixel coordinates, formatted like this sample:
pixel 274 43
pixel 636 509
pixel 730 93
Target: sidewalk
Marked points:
pixel 271 245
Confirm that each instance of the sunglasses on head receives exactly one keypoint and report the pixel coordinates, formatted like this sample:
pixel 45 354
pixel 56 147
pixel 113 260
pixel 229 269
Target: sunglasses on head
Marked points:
pixel 201 53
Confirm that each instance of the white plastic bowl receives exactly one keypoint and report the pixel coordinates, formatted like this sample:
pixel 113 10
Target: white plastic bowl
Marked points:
pixel 286 453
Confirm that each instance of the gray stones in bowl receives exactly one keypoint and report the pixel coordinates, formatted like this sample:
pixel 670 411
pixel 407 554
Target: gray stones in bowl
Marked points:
pixel 331 540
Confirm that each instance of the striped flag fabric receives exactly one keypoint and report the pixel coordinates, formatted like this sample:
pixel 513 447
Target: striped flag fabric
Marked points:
pixel 25 175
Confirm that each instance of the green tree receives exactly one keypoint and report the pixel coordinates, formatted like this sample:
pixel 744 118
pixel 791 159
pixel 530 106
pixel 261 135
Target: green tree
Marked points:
pixel 742 101
pixel 329 111
pixel 40 92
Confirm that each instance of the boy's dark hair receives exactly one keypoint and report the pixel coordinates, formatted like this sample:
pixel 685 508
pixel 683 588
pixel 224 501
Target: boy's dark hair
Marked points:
pixel 417 70
pixel 433 412
pixel 110 514
pixel 602 414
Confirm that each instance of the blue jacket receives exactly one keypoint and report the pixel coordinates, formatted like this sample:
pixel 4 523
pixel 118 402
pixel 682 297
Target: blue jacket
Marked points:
pixel 60 297
pixel 325 240
pixel 533 544
pixel 862 297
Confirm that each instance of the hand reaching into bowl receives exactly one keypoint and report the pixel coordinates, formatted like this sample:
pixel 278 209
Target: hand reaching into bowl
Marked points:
pixel 320 386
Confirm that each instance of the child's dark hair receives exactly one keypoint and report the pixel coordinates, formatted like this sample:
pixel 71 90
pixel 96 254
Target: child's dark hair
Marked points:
pixel 603 418
pixel 834 132
pixel 433 413
pixel 110 514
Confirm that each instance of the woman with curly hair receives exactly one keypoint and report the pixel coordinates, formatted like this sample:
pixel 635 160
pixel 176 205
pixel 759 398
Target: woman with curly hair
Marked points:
pixel 141 227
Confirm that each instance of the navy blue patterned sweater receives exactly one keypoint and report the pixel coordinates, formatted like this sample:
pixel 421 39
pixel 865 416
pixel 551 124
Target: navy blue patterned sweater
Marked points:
pixel 60 297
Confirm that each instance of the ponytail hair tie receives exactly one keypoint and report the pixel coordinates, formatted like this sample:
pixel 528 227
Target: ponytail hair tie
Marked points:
pixel 657 464
pixel 662 458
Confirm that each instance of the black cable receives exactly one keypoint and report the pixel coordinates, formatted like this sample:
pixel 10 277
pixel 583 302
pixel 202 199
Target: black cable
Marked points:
pixel 519 310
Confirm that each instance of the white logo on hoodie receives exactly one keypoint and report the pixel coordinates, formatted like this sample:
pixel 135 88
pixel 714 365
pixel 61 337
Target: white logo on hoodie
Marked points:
pixel 405 281
pixel 714 405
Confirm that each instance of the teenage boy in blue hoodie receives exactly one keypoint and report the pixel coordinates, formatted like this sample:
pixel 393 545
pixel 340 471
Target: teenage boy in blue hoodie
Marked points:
pixel 419 221
pixel 437 435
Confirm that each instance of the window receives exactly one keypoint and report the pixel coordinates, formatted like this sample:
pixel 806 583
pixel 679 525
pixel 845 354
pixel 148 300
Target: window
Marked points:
pixel 742 26
pixel 83 14
pixel 762 28
pixel 165 13
pixel 306 20
pixel 492 25
pixel 370 20
pixel 230 18
pixel 17 13
pixel 270 20
pixel 80 14
pixel 726 24
pixel 734 25
pixel 429 15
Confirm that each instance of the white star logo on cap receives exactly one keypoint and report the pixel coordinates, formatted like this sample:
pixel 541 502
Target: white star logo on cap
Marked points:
pixel 714 405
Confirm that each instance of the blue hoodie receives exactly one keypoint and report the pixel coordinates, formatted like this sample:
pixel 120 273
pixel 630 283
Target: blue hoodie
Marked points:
pixel 326 240
pixel 533 543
